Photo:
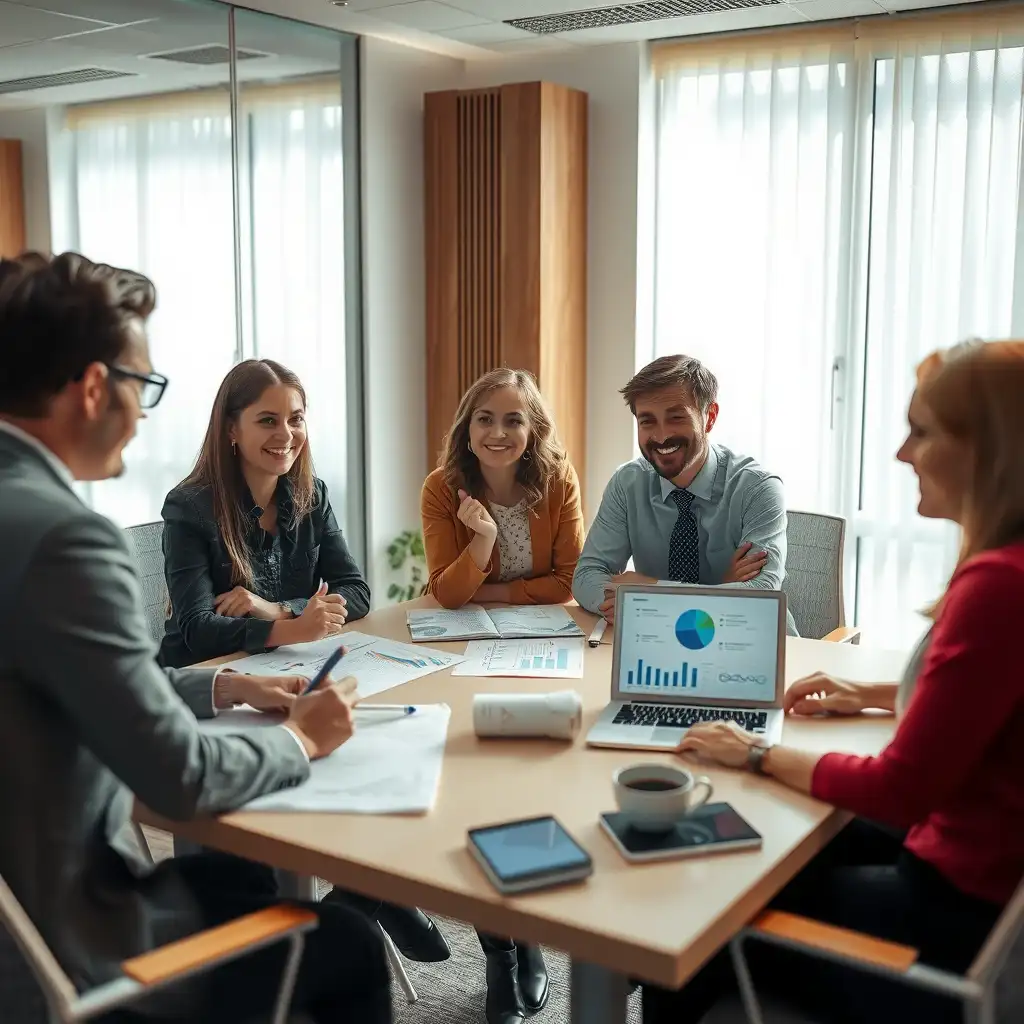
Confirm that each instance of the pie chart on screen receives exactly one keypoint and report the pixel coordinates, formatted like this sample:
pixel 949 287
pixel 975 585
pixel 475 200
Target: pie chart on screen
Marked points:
pixel 695 629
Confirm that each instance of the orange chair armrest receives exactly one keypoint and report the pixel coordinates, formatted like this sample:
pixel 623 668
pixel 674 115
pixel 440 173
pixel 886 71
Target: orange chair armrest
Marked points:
pixel 218 943
pixel 830 939
pixel 843 635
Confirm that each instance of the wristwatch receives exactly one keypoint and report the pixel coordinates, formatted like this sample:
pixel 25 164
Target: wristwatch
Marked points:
pixel 755 758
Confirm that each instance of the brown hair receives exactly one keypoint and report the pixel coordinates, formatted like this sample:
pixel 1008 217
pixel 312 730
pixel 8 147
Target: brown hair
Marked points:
pixel 544 458
pixel 59 315
pixel 217 467
pixel 976 392
pixel 669 372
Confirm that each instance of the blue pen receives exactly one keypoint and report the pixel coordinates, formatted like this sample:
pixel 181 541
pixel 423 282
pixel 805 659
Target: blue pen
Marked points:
pixel 325 671
pixel 399 710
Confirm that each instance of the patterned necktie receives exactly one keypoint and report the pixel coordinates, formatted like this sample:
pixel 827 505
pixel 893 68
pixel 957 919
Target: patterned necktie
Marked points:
pixel 683 553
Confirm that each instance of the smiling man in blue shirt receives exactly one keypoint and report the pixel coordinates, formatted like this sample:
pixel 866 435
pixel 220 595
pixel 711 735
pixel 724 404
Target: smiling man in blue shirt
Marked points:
pixel 688 510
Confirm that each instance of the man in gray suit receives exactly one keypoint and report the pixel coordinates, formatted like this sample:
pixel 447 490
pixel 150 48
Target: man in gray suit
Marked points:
pixel 86 716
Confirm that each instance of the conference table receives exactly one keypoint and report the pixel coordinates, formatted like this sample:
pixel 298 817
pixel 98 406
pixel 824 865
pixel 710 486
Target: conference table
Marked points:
pixel 657 922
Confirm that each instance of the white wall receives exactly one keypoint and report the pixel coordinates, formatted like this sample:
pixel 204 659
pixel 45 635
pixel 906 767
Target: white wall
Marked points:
pixel 394 79
pixel 611 76
pixel 30 127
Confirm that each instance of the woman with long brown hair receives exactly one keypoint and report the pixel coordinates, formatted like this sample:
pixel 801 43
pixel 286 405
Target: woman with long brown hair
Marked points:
pixel 502 519
pixel 948 791
pixel 254 558
pixel 502 522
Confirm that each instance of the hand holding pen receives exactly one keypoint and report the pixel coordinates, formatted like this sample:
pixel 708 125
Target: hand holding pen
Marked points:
pixel 322 718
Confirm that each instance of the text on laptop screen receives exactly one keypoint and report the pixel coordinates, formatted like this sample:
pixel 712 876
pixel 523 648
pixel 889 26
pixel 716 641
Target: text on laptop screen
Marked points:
pixel 700 649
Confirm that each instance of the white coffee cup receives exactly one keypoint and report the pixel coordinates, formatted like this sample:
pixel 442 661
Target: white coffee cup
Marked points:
pixel 655 796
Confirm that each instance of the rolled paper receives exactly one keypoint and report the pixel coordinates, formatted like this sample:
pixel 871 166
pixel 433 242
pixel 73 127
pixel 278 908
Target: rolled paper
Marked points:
pixel 552 715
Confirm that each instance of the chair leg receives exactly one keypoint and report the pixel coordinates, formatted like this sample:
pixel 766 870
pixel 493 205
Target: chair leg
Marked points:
pixel 981 1011
pixel 751 1007
pixel 291 969
pixel 398 968
pixel 140 838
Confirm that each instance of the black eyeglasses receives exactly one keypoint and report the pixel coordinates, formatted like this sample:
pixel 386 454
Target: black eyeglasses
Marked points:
pixel 153 384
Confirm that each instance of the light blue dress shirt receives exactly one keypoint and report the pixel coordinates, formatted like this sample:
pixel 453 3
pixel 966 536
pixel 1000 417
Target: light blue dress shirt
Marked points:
pixel 735 500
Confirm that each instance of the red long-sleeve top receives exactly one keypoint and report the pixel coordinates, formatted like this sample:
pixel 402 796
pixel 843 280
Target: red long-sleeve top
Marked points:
pixel 954 772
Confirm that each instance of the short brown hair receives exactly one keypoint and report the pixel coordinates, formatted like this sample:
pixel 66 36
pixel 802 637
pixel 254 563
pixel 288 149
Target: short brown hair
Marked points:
pixel 670 372
pixel 544 459
pixel 58 315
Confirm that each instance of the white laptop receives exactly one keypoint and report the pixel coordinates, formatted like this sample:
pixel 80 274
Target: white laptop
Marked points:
pixel 687 654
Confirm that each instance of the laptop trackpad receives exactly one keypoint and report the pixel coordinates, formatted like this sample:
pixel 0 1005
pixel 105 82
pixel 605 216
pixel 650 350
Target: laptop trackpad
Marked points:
pixel 663 736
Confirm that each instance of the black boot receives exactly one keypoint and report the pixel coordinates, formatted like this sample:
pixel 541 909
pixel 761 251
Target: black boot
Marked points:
pixel 504 1000
pixel 415 934
pixel 533 977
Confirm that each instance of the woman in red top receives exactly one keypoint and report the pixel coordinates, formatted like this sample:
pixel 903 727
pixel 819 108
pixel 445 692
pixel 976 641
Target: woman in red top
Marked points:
pixel 948 791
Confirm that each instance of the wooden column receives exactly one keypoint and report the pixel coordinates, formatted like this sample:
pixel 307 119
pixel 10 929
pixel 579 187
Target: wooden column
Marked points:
pixel 12 199
pixel 506 248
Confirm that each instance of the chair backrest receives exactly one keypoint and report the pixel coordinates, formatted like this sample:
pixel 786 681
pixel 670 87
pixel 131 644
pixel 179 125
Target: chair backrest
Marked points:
pixel 56 986
pixel 814 572
pixel 146 541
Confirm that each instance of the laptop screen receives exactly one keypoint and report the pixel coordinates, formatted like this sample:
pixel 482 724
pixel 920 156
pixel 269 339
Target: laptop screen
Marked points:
pixel 696 647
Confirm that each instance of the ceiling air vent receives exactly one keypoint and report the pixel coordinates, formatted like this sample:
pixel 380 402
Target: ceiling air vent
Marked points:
pixel 61 78
pixel 214 53
pixel 628 14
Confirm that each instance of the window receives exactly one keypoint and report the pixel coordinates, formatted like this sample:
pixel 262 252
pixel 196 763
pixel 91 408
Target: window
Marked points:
pixel 829 210
pixel 233 188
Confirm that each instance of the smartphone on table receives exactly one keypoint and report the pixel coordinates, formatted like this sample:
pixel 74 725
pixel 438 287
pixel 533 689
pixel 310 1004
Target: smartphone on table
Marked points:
pixel 534 853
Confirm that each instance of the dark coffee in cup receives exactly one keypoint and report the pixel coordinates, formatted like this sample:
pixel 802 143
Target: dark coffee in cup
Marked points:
pixel 652 785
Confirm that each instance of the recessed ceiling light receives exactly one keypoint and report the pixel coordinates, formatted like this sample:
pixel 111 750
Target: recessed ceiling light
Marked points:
pixel 338 3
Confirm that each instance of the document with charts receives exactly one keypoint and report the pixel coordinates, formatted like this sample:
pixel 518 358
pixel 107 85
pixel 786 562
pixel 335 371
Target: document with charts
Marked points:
pixel 522 622
pixel 377 664
pixel 391 765
pixel 540 659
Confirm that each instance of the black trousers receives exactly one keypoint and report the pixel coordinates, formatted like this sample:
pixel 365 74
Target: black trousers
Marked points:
pixel 867 881
pixel 343 975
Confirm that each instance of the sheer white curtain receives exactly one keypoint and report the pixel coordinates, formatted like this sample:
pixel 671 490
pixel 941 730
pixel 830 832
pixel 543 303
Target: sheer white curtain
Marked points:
pixel 153 191
pixel 753 164
pixel 944 248
pixel 826 215
pixel 295 263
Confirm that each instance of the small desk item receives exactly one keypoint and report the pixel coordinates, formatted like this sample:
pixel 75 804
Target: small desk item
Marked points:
pixel 598 633
pixel 535 853
pixel 537 659
pixel 555 716
pixel 325 670
pixel 522 622
pixel 714 828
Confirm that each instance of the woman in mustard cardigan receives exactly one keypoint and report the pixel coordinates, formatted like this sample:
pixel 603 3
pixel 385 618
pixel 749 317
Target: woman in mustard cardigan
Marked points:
pixel 502 523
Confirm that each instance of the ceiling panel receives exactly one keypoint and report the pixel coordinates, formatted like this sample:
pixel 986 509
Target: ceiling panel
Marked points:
pixel 118 11
pixel 827 10
pixel 23 25
pixel 487 33
pixel 500 10
pixel 428 15
pixel 538 44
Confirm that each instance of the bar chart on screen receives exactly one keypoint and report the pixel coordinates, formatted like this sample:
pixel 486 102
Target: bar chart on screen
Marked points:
pixel 679 677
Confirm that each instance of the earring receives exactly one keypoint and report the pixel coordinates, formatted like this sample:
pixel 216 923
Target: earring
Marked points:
pixel 469 445
pixel 234 448
pixel 527 455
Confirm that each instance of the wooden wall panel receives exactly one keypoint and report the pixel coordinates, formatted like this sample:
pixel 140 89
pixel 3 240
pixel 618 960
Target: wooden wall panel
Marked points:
pixel 506 202
pixel 12 199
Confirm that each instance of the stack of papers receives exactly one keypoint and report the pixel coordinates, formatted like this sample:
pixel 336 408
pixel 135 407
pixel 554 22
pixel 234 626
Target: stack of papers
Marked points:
pixel 377 664
pixel 391 765
pixel 523 622
pixel 542 659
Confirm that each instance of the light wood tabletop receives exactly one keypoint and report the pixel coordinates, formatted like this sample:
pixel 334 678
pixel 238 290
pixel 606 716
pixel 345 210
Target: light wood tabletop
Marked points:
pixel 656 922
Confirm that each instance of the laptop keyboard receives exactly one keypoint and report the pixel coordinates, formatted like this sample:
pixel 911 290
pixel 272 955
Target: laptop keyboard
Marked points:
pixel 676 717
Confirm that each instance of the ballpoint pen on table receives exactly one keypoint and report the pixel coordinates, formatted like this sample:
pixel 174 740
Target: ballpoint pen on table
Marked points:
pixel 595 638
pixel 325 671
pixel 395 709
